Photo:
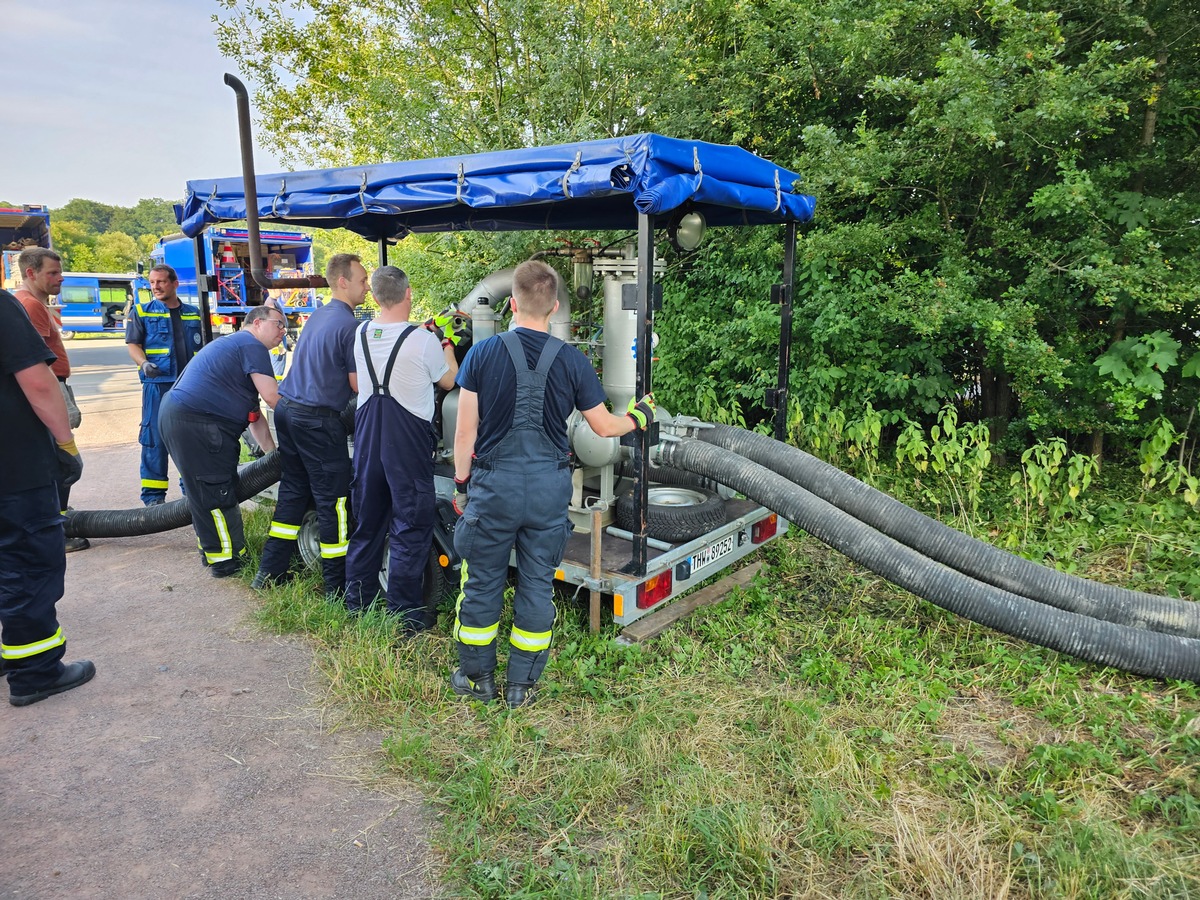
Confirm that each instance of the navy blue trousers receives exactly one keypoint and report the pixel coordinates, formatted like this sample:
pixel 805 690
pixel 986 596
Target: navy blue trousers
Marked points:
pixel 394 501
pixel 314 471
pixel 33 564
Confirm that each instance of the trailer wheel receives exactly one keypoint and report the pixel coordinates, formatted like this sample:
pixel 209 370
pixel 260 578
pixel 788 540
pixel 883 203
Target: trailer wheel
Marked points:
pixel 309 540
pixel 67 335
pixel 674 513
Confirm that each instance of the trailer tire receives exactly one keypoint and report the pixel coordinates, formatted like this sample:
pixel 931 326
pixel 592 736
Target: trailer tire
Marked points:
pixel 308 540
pixel 67 335
pixel 674 513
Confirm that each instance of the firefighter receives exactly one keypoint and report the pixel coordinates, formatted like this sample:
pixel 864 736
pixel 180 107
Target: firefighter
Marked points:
pixel 202 419
pixel 162 335
pixel 511 459
pixel 32 562
pixel 314 458
pixel 399 364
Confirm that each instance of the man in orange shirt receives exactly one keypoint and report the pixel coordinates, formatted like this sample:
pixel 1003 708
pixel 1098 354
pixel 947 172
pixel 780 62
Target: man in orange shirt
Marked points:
pixel 41 278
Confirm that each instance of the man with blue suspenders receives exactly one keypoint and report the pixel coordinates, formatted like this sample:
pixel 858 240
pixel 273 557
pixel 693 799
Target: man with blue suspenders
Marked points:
pixel 314 456
pixel 398 365
pixel 162 335
pixel 511 448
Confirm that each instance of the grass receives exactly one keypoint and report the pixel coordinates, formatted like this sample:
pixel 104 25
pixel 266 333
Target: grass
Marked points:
pixel 817 734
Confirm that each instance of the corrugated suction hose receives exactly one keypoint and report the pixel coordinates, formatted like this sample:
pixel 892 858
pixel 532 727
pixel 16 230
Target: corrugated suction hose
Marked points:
pixel 978 559
pixel 1133 650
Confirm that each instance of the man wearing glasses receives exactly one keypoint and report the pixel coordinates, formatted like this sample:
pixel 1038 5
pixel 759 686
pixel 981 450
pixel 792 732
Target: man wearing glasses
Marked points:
pixel 202 419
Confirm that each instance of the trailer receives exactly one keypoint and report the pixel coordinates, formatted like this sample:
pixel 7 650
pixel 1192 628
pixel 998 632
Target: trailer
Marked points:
pixel 653 186
pixel 220 261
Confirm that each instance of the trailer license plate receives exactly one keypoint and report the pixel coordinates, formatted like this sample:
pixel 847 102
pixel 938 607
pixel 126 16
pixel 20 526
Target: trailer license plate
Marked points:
pixel 713 552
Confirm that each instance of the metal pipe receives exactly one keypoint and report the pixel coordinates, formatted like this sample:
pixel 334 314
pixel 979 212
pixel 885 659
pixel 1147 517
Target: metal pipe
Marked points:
pixel 249 188
pixel 785 332
pixel 594 593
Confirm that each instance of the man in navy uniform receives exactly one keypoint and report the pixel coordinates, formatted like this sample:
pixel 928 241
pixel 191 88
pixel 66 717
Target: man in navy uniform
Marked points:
pixel 38 450
pixel 510 445
pixel 314 457
pixel 202 419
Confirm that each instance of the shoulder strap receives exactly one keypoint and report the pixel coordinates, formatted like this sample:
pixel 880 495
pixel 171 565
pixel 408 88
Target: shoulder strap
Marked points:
pixel 512 343
pixel 377 387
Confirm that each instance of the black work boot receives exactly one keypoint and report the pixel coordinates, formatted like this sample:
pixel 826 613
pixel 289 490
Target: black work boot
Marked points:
pixel 481 688
pixel 73 675
pixel 519 693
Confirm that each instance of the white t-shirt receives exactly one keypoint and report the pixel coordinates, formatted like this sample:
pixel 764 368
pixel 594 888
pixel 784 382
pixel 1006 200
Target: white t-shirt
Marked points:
pixel 421 362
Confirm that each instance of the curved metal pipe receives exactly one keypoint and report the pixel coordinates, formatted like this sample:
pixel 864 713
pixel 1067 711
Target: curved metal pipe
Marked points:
pixel 250 188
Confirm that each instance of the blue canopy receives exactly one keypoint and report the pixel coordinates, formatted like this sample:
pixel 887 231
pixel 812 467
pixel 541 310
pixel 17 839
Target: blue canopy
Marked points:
pixel 592 185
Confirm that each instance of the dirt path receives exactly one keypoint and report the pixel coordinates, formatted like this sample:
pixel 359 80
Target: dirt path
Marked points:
pixel 199 762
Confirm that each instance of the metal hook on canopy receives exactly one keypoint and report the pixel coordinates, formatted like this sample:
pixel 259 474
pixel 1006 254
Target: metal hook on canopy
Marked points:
pixel 275 200
pixel 208 209
pixel 778 194
pixel 574 168
pixel 698 169
pixel 462 181
pixel 362 193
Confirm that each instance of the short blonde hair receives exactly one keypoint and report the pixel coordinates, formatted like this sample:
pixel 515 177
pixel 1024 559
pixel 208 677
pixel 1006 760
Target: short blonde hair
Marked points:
pixel 535 288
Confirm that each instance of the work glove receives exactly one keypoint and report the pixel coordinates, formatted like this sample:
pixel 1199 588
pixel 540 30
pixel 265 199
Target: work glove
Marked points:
pixel 449 325
pixel 150 370
pixel 460 495
pixel 70 463
pixel 642 412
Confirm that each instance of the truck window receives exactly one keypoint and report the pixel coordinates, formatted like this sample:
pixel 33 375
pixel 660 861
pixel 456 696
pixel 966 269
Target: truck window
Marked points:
pixel 74 294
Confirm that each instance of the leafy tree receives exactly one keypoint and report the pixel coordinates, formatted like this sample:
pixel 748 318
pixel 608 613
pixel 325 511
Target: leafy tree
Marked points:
pixel 1007 189
pixel 116 252
pixel 96 216
pixel 75 242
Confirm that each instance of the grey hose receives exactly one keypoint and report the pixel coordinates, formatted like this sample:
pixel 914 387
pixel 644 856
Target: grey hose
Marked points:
pixel 1133 650
pixel 968 555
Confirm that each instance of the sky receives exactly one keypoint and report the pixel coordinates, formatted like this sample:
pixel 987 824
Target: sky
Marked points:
pixel 114 100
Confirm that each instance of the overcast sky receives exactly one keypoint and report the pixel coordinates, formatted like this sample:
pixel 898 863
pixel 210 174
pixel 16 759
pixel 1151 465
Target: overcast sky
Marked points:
pixel 113 100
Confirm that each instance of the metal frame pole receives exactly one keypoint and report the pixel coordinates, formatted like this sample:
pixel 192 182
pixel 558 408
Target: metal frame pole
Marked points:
pixel 201 253
pixel 643 385
pixel 785 332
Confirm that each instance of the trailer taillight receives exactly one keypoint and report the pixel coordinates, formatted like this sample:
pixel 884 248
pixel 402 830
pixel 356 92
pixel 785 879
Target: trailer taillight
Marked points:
pixel 214 319
pixel 764 529
pixel 654 590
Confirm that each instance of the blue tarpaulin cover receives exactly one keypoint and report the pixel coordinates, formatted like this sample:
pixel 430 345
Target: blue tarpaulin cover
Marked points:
pixel 592 185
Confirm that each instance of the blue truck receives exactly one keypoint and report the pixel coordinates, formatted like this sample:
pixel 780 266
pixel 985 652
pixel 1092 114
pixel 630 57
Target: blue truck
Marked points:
pixel 21 227
pixel 225 265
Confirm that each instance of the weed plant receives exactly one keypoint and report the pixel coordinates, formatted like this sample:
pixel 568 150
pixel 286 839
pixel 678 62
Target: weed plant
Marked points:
pixel 819 733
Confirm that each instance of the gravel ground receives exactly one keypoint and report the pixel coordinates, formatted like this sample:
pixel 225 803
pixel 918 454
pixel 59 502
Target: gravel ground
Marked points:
pixel 201 762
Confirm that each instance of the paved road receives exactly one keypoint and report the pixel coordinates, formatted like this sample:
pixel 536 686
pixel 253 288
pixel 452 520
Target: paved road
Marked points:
pixel 107 390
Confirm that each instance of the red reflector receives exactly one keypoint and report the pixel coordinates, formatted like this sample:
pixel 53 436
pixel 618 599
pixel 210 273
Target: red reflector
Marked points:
pixel 654 590
pixel 764 529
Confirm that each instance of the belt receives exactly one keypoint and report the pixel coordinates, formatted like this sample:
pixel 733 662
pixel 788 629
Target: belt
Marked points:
pixel 488 465
pixel 313 410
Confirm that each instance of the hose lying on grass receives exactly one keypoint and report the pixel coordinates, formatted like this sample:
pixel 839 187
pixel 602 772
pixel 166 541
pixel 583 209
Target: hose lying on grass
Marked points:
pixel 978 559
pixel 1135 650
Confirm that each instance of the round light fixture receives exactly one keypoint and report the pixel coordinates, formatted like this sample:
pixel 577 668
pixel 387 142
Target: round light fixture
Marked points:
pixel 686 231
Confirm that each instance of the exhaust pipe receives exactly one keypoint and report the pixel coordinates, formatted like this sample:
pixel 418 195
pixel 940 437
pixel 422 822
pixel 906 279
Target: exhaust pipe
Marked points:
pixel 249 187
